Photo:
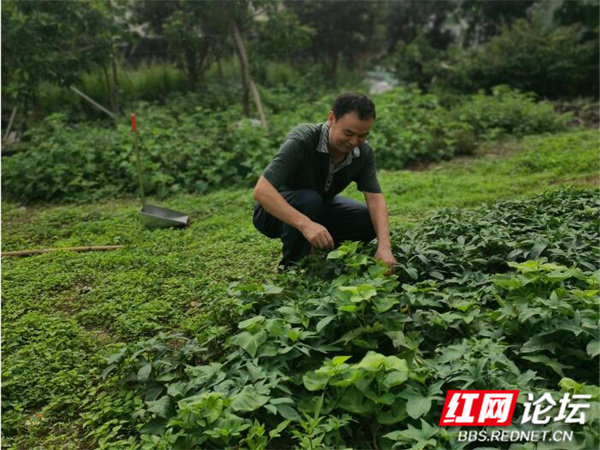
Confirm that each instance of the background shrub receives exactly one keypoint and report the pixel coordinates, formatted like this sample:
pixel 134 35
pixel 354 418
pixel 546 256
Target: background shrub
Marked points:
pixel 191 148
pixel 551 62
pixel 508 112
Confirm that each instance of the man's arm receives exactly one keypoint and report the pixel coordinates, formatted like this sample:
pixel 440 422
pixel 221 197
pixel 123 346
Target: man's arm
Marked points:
pixel 272 201
pixel 379 216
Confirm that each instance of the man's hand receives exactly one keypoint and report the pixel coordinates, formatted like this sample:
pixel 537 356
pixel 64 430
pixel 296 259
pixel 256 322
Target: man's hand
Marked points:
pixel 317 235
pixel 385 255
pixel 379 215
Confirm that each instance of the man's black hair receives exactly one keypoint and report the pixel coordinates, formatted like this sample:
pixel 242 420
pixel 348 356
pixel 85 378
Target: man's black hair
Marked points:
pixel 353 102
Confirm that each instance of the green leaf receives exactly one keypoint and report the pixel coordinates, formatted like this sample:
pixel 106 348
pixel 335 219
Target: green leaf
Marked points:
pixel 436 274
pixel 336 254
pixel 358 293
pixel 156 427
pixel 116 357
pixel 386 399
pixel 345 378
pixel 144 373
pixel 453 352
pixel 508 282
pixel 339 360
pixel 324 322
pixel 537 250
pixel 213 407
pixel 279 428
pixel 371 362
pixel 355 402
pixel 593 348
pixel 412 272
pixel 250 342
pixel 249 323
pixel 268 350
pixel 274 327
pixel 349 308
pixel 290 314
pixel 169 376
pixel 270 289
pixel 552 363
pixel 384 304
pixel 248 400
pixel 378 270
pixel 153 393
pixel 178 389
pixel 395 378
pixel 314 381
pixel 417 406
pixel 371 344
pixel 395 363
pixel 161 406
pixel 287 412
pixel 108 370
pixel 397 414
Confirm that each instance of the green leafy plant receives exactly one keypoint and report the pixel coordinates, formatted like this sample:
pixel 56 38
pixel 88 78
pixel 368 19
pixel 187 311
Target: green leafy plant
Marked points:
pixel 343 354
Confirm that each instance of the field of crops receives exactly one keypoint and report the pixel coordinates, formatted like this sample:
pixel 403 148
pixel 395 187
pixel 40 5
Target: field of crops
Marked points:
pixel 190 339
pixel 485 333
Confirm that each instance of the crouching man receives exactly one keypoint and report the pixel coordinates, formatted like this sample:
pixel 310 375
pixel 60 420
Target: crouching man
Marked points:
pixel 297 197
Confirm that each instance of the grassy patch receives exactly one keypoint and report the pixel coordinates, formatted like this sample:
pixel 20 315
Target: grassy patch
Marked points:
pixel 512 169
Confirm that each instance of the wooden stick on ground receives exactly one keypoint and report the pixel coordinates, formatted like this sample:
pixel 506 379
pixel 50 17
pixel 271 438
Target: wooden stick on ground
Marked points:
pixel 73 249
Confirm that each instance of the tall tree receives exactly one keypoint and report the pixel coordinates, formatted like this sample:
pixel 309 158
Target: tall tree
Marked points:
pixel 196 31
pixel 407 19
pixel 50 41
pixel 486 18
pixel 193 30
pixel 585 12
pixel 280 36
pixel 343 28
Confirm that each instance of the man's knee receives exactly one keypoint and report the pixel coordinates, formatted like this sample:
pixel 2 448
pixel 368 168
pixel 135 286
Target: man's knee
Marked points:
pixel 350 220
pixel 365 225
pixel 306 201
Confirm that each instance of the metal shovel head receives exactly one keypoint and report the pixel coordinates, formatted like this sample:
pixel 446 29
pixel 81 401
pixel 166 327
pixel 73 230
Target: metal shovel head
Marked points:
pixel 158 217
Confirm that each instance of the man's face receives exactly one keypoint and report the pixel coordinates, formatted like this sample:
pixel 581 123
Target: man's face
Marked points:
pixel 347 132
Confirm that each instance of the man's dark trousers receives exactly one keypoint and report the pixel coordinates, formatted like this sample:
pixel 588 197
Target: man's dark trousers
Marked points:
pixel 345 219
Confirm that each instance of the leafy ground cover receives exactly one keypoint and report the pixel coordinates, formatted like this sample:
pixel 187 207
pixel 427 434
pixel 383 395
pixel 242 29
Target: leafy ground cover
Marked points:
pixel 340 355
pixel 64 312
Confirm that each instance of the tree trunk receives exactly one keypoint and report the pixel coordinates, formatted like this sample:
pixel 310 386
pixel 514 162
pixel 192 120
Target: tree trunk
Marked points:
pixel 245 71
pixel 191 67
pixel 219 67
pixel 115 103
pixel 335 57
pixel 116 93
pixel 247 81
pixel 109 85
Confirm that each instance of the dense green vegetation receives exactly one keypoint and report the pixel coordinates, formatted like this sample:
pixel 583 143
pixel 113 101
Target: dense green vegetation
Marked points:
pixel 546 47
pixel 189 148
pixel 64 312
pixel 382 349
pixel 190 338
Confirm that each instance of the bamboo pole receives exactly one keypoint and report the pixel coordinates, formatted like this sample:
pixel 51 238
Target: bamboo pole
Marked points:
pixel 72 249
pixel 96 104
pixel 10 122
